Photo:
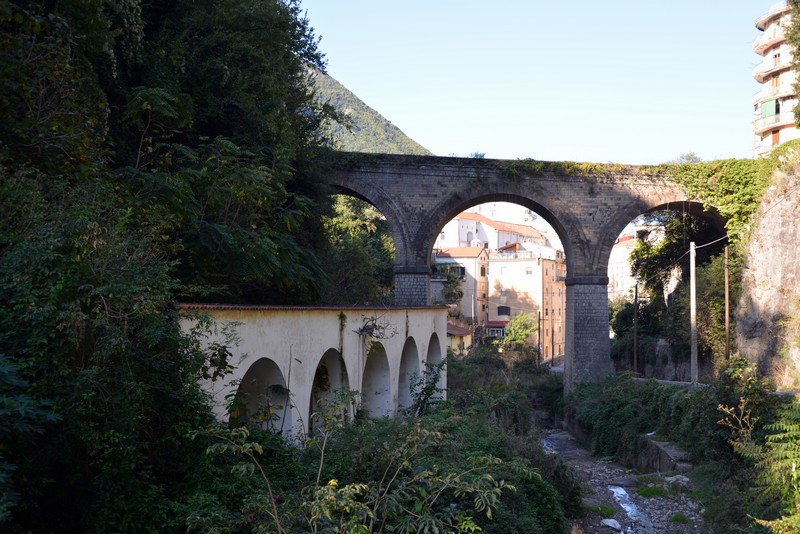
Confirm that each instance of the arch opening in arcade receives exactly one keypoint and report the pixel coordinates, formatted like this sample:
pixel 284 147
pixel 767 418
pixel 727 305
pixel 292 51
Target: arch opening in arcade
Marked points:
pixel 330 378
pixel 409 371
pixel 649 289
pixel 263 398
pixel 376 388
pixel 433 358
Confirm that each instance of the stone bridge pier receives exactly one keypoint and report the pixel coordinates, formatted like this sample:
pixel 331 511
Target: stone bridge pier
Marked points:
pixel 587 205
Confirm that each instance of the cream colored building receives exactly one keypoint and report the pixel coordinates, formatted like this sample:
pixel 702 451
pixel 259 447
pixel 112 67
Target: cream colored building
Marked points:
pixel 532 282
pixel 474 265
pixel 468 229
pixel 773 105
pixel 620 280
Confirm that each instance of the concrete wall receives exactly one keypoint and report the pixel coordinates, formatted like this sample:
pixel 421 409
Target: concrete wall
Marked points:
pixel 310 352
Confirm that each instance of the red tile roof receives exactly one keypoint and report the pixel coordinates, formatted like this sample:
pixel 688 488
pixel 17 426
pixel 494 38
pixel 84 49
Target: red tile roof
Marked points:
pixel 461 252
pixel 454 330
pixel 521 229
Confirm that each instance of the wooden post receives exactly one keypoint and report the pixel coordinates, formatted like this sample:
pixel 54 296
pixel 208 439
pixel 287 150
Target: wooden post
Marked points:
pixel 727 310
pixel 539 335
pixel 693 310
pixel 635 328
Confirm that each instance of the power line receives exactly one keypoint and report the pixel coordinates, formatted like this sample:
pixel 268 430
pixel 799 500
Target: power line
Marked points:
pixel 711 243
pixel 671 265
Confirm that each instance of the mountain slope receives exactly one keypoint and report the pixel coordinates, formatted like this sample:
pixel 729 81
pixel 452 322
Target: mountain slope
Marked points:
pixel 366 129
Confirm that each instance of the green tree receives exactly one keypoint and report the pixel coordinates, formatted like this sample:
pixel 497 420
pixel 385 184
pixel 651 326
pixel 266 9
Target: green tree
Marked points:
pixel 519 330
pixel 148 150
pixel 360 254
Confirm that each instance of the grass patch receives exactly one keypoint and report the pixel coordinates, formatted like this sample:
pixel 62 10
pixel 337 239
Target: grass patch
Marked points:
pixel 649 492
pixel 679 518
pixel 603 511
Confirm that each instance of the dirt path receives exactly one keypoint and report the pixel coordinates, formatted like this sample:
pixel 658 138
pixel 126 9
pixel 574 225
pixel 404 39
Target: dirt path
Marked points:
pixel 665 508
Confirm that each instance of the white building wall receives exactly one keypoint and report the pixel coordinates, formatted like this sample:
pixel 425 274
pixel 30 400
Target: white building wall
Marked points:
pixel 296 339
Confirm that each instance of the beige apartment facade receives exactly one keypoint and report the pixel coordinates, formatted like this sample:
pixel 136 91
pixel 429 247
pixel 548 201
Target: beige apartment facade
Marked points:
pixel 529 282
pixel 473 266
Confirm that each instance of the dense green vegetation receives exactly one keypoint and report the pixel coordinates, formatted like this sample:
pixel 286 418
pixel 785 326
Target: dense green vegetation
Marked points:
pixel 471 462
pixel 737 431
pixel 734 188
pixel 148 152
pixel 360 255
pixel 360 128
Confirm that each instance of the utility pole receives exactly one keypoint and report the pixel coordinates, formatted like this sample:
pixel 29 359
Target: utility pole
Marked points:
pixel 635 328
pixel 539 335
pixel 552 336
pixel 693 310
pixel 727 310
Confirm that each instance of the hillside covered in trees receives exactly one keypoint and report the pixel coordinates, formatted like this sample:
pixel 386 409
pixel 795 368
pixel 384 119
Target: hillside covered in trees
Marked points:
pixel 360 128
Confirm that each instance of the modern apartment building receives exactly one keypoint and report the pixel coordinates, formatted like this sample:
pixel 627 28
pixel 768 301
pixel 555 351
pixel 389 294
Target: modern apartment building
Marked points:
pixel 773 105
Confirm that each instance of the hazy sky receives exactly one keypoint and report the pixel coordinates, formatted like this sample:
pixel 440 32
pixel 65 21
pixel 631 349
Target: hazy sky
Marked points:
pixel 627 81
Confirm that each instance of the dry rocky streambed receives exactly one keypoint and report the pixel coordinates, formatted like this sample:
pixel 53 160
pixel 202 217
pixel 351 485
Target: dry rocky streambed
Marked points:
pixel 622 501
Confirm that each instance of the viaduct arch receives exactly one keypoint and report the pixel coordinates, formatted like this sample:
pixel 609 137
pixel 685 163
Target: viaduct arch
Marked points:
pixel 587 205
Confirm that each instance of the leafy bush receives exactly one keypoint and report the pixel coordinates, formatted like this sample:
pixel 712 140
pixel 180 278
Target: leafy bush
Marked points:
pixel 737 412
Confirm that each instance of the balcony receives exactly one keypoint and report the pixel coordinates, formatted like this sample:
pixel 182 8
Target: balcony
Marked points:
pixel 767 69
pixel 773 37
pixel 762 149
pixel 774 12
pixel 763 124
pixel 779 91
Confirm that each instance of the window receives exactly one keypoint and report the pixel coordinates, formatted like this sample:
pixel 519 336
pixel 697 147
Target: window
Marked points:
pixel 528 270
pixel 504 310
pixel 483 270
pixel 776 59
pixel 768 108
pixel 441 235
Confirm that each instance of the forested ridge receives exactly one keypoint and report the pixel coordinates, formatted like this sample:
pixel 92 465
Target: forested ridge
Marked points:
pixel 362 129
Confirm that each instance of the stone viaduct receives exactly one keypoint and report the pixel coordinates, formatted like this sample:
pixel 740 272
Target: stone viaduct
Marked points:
pixel 588 206
pixel 290 360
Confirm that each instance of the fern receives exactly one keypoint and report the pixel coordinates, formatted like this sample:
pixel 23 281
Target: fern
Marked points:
pixel 778 461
